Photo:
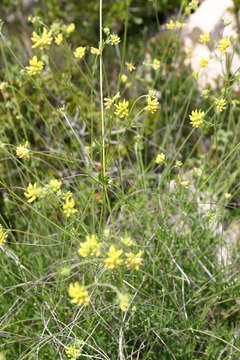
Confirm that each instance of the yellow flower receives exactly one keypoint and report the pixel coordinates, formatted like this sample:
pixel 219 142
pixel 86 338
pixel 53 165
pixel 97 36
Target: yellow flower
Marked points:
pixel 108 102
pixel 195 74
pixel 179 25
pixel 170 25
pixel 68 207
pixel 72 352
pixel 220 104
pixel 178 163
pixel 133 260
pixel 226 195
pixel 3 236
pixel 156 64
pixel 160 158
pixel 90 247
pixel 224 44
pixel 95 51
pixel 114 39
pixel 43 41
pixel 59 39
pixel 54 184
pixel 203 62
pixel 130 66
pixel 122 108
pixel 79 294
pixel 80 52
pixel 113 258
pixel 70 28
pixel 204 38
pixel 31 193
pixel 152 104
pixel 123 300
pixel 123 78
pixel 35 66
pixel 196 118
pixel 22 151
pixel 127 241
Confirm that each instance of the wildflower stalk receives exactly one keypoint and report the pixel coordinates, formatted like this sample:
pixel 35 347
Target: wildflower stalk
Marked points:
pixel 101 90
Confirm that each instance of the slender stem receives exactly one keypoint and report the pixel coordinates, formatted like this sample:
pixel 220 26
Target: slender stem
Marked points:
pixel 101 90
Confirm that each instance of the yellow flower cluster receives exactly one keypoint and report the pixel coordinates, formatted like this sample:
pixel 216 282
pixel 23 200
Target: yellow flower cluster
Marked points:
pixel 113 259
pixel 114 39
pixel 22 151
pixel 203 62
pixel 160 158
pixel 72 352
pixel 123 300
pixel 31 193
pixel 127 241
pixel 175 25
pixel 130 66
pixel 196 118
pixel 80 52
pixel 108 102
pixel 90 247
pixel 152 104
pixel 156 64
pixel 204 38
pixel 95 51
pixel 3 236
pixel 35 67
pixel 122 108
pixel 42 41
pixel 224 44
pixel 69 206
pixel 79 294
pixel 59 38
pixel 220 104
pixel 133 260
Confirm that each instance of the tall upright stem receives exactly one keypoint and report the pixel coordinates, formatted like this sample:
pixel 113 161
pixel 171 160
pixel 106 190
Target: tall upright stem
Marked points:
pixel 101 90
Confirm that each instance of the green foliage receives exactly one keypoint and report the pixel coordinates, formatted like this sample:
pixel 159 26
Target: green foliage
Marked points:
pixel 73 168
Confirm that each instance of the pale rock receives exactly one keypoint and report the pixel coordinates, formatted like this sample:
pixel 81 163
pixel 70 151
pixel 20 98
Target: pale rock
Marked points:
pixel 209 18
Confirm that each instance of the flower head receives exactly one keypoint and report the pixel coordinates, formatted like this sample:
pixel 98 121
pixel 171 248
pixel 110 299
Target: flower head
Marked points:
pixel 224 44
pixel 123 78
pixel 196 118
pixel 170 25
pixel 114 39
pixel 95 51
pixel 35 66
pixel 22 151
pixel 123 300
pixel 68 207
pixel 133 260
pixel 127 241
pixel 72 352
pixel 204 38
pixel 122 108
pixel 59 39
pixel 32 192
pixel 54 184
pixel 152 104
pixel 130 66
pixel 160 158
pixel 70 28
pixel 203 62
pixel 78 293
pixel 90 247
pixel 43 41
pixel 220 104
pixel 156 64
pixel 80 52
pixel 113 259
pixel 3 236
